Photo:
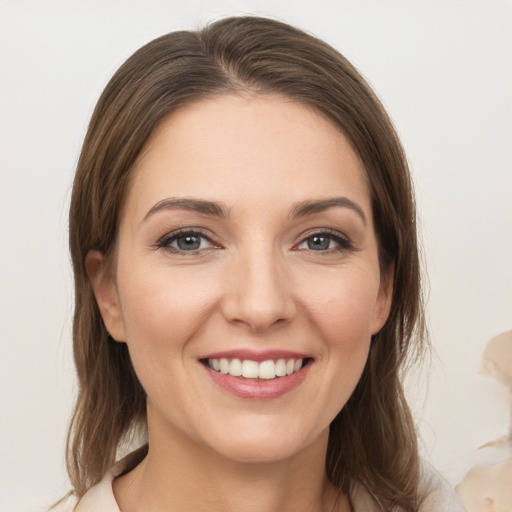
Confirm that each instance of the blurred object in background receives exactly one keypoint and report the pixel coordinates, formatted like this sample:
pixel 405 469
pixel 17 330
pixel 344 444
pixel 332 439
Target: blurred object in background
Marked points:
pixel 487 487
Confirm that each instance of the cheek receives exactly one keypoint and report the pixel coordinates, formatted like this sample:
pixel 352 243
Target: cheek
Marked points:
pixel 342 313
pixel 165 307
pixel 344 308
pixel 163 311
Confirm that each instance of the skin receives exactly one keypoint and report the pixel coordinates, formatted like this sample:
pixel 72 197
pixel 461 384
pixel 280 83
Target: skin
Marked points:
pixel 257 285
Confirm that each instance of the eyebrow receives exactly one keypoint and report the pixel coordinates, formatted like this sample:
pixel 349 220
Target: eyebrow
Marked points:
pixel 309 207
pixel 218 210
pixel 194 205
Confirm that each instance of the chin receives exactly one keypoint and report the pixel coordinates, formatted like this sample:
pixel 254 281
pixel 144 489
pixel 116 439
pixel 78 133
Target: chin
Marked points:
pixel 256 453
pixel 263 446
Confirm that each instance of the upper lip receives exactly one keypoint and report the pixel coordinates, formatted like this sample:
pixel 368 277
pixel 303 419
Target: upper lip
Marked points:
pixel 256 355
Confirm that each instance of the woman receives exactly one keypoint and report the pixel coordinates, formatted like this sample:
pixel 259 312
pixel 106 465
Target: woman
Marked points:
pixel 243 236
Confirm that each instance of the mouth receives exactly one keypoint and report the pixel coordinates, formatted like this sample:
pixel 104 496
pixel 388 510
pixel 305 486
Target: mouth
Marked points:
pixel 250 369
pixel 257 376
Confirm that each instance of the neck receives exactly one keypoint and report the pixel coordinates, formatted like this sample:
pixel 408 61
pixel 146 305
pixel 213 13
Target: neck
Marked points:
pixel 177 474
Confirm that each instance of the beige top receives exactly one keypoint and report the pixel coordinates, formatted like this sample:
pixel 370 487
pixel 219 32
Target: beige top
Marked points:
pixel 440 496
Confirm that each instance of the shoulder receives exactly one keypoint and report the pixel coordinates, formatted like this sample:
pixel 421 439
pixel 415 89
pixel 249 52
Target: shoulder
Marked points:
pixel 438 495
pixel 66 504
pixel 100 498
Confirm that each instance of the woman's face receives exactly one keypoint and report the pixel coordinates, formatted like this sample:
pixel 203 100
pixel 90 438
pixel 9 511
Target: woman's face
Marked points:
pixel 246 245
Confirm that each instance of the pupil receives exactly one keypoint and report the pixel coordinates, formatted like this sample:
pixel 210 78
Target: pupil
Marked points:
pixel 318 243
pixel 189 242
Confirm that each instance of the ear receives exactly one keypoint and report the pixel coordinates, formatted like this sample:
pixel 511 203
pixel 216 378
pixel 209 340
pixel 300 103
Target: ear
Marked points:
pixel 106 294
pixel 384 299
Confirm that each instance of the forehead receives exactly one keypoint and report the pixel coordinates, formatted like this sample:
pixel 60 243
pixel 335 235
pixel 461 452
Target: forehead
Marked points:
pixel 256 148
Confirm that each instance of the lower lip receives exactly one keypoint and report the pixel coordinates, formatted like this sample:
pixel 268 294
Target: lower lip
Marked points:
pixel 258 389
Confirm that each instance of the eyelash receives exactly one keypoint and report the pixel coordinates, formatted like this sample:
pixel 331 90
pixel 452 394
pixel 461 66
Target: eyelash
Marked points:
pixel 344 244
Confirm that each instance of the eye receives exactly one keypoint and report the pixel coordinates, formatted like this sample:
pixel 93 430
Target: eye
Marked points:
pixel 325 242
pixel 185 241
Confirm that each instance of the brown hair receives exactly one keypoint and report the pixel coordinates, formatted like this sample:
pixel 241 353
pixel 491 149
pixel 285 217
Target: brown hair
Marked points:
pixel 372 439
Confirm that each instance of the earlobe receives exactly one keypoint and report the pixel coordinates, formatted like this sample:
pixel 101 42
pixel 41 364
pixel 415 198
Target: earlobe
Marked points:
pixel 384 299
pixel 105 291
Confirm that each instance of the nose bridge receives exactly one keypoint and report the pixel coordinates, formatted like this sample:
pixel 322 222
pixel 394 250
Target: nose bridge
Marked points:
pixel 259 292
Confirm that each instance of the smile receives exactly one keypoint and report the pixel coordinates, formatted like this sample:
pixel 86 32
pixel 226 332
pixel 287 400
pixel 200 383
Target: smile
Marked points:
pixel 250 369
pixel 254 375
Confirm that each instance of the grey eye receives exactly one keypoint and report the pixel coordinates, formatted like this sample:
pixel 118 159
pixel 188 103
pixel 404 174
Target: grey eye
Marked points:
pixel 185 241
pixel 318 243
pixel 326 242
pixel 188 242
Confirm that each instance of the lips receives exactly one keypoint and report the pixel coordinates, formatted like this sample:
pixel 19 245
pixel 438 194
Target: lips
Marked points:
pixel 257 375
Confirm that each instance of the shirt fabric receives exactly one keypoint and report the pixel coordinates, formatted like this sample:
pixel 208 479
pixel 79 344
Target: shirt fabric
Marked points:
pixel 440 497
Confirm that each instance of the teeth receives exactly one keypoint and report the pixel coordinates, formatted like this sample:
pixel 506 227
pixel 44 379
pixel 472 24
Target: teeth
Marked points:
pixel 267 370
pixel 250 369
pixel 224 366
pixel 253 370
pixel 281 368
pixel 235 368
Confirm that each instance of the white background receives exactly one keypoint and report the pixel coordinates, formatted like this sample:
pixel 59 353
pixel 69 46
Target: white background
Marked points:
pixel 442 68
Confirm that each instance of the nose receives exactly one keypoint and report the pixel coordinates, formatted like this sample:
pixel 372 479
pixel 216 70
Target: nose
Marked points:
pixel 259 293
